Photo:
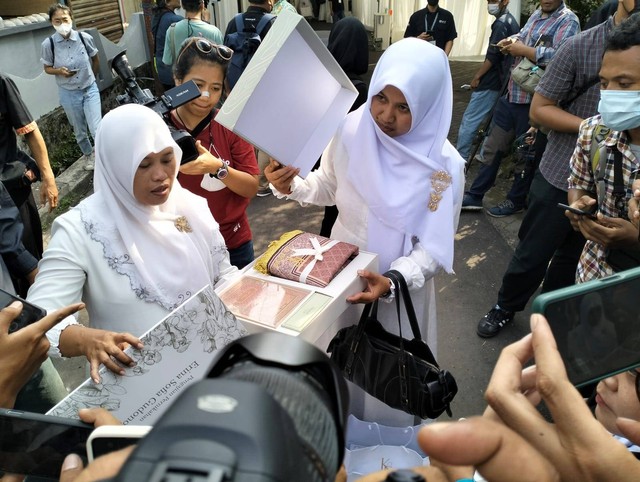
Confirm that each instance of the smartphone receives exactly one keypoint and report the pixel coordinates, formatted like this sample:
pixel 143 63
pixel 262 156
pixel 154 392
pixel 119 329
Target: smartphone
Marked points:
pixel 109 438
pixel 29 314
pixel 430 33
pixel 596 325
pixel 35 444
pixel 577 211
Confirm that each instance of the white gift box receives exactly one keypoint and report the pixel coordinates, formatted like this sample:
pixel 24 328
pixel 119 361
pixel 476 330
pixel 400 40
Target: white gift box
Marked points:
pixel 311 318
pixel 292 96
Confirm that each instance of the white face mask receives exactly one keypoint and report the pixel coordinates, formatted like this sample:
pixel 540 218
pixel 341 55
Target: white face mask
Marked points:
pixel 493 9
pixel 63 29
pixel 620 109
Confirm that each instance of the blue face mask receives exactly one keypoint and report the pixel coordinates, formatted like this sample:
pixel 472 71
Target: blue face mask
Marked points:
pixel 620 109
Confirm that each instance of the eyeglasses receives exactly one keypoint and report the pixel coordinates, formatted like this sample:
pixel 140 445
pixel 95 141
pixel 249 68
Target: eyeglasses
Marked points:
pixel 206 47
pixel 636 375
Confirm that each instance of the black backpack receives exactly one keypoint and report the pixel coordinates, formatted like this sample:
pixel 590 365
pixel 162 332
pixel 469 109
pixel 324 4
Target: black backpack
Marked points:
pixel 244 44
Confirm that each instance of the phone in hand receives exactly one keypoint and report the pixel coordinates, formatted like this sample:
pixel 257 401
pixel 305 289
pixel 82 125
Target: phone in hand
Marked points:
pixel 30 312
pixel 429 33
pixel 577 211
pixel 36 445
pixel 596 325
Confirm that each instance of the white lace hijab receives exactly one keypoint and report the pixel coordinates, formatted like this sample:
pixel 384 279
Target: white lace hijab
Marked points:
pixel 398 176
pixel 164 265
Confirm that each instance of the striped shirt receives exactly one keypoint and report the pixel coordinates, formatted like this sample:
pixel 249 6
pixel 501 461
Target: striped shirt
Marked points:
pixel 572 78
pixel 551 30
pixel 593 260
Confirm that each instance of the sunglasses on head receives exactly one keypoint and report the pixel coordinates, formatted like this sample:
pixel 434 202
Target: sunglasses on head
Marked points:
pixel 206 47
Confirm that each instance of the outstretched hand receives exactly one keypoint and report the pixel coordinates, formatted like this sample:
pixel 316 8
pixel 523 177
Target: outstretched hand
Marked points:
pixel 280 176
pixel 377 285
pixel 100 347
pixel 23 351
pixel 576 444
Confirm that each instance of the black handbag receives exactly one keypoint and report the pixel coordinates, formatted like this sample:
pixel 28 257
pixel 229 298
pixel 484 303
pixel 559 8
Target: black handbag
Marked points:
pixel 402 373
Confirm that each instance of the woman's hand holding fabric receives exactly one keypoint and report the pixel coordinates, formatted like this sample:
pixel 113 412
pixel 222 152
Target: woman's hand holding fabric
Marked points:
pixel 578 446
pixel 280 176
pixel 205 163
pixel 377 285
pixel 100 347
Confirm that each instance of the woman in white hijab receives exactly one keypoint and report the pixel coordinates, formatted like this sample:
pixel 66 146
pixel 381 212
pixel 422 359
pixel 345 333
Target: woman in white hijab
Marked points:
pixel 135 249
pixel 397 183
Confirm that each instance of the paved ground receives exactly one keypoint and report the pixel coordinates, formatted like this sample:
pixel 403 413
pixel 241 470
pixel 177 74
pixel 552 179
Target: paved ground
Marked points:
pixel 483 249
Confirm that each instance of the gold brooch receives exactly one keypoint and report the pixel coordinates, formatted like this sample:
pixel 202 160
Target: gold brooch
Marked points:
pixel 182 225
pixel 440 181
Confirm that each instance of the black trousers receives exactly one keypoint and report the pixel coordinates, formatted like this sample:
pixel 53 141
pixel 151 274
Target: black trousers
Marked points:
pixel 549 249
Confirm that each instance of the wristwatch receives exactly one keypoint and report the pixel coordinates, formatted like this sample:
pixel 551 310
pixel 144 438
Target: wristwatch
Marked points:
pixel 222 172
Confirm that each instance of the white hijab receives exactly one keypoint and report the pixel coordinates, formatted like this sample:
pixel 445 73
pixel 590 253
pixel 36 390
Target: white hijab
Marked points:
pixel 394 175
pixel 163 264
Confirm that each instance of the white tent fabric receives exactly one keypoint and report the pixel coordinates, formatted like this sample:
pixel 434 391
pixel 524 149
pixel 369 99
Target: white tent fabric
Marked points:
pixel 473 23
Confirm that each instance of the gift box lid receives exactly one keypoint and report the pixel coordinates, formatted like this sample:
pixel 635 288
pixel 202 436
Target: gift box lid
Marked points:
pixel 292 96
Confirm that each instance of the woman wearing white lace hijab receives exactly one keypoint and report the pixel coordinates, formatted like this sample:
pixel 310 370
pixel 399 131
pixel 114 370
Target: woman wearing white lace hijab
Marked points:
pixel 135 249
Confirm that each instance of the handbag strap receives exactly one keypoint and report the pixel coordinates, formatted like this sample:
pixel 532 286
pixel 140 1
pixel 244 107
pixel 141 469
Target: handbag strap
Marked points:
pixel 403 290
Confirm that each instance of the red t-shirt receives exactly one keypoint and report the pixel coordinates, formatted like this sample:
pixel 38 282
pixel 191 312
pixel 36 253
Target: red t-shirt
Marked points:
pixel 228 208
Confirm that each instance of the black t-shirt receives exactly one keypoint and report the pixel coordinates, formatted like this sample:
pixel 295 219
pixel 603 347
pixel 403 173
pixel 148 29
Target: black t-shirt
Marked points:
pixel 503 27
pixel 13 115
pixel 440 22
pixel 337 5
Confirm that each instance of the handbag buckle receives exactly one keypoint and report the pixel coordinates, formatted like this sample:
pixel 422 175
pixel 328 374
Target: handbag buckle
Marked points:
pixel 403 382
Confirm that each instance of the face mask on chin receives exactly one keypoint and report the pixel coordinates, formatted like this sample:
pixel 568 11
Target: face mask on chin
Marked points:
pixel 432 3
pixel 493 9
pixel 63 29
pixel 620 109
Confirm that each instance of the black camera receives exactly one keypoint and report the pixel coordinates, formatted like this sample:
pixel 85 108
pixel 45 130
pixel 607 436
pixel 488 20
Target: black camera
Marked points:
pixel 162 105
pixel 272 408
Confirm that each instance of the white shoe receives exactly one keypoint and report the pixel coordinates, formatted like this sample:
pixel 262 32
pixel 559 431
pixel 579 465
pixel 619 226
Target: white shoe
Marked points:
pixel 88 161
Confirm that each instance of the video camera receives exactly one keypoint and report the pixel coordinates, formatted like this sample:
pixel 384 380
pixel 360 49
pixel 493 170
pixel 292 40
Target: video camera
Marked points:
pixel 272 408
pixel 162 105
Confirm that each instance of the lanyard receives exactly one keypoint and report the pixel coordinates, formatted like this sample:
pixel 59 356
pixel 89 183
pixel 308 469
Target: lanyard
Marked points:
pixel 426 27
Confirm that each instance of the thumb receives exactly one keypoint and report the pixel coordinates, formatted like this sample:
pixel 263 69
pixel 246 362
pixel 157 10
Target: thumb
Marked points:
pixel 8 314
pixel 629 428
pixel 201 148
pixel 71 468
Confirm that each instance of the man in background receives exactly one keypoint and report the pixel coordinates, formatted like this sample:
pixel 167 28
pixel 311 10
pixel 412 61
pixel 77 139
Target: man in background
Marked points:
pixel 490 78
pixel 15 118
pixel 433 24
pixel 193 25
pixel 545 31
pixel 548 249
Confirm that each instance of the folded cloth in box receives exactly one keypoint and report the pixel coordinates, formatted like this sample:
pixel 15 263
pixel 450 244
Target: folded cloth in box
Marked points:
pixel 305 257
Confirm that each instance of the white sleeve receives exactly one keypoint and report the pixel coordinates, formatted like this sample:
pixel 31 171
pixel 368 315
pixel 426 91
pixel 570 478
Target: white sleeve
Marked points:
pixel 61 276
pixel 319 187
pixel 417 267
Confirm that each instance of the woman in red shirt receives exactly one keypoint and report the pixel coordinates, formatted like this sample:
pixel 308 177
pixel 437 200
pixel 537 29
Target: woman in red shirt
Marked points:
pixel 226 171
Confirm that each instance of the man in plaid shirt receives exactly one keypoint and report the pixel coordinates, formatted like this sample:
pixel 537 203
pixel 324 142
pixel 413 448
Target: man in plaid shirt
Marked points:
pixel 610 236
pixel 544 32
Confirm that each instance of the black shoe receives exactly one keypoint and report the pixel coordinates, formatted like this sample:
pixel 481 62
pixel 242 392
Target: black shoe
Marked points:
pixel 491 323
